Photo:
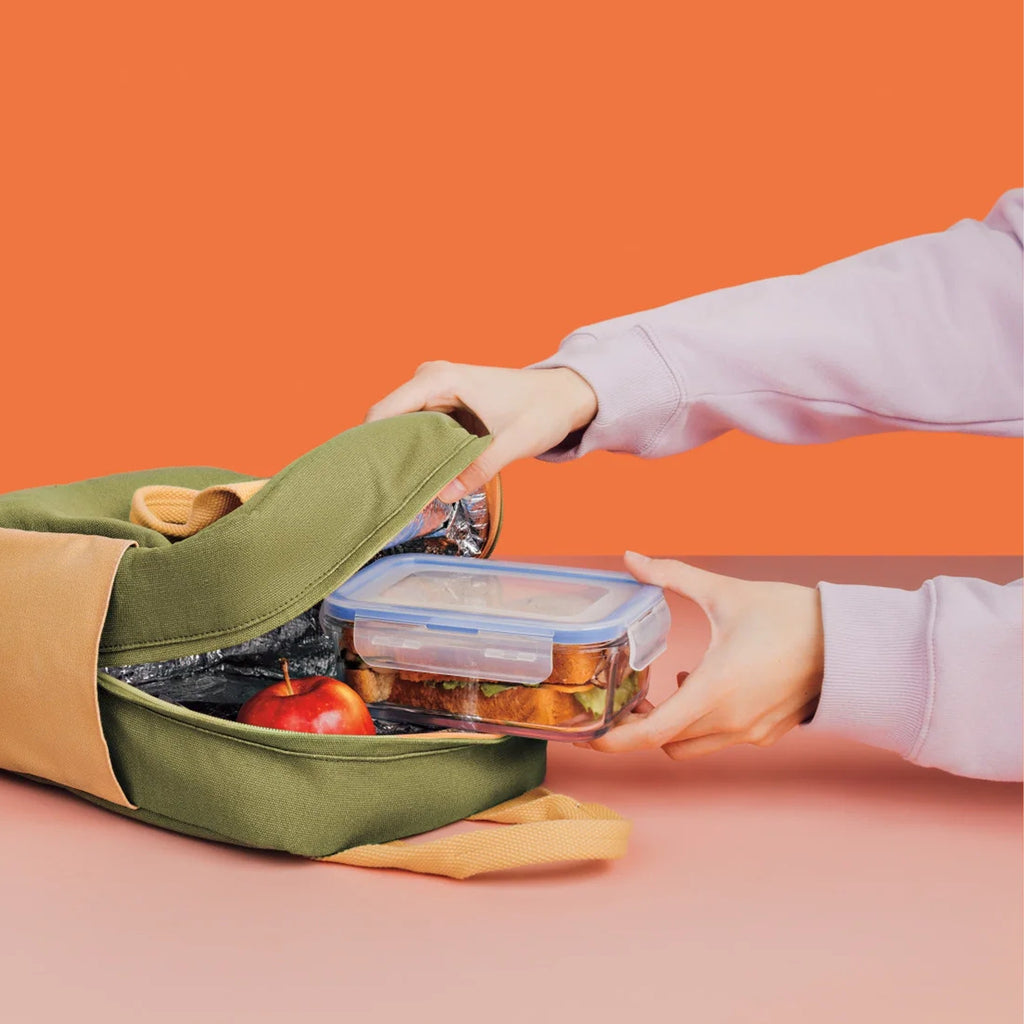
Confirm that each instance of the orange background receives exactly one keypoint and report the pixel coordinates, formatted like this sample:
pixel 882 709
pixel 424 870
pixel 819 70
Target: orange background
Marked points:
pixel 226 229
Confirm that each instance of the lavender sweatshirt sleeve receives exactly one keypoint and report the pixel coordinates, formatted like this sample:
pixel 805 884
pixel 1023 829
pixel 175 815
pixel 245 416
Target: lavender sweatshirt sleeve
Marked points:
pixel 921 334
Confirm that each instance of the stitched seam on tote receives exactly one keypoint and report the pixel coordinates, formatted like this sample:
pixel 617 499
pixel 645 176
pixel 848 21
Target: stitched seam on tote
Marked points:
pixel 206 731
pixel 161 712
pixel 275 483
pixel 367 758
pixel 311 586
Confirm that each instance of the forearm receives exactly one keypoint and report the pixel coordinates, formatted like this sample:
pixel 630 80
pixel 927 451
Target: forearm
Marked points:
pixel 933 674
pixel 923 334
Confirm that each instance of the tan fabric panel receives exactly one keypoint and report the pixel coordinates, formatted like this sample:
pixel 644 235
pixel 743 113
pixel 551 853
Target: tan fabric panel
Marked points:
pixel 541 828
pixel 54 591
pixel 181 511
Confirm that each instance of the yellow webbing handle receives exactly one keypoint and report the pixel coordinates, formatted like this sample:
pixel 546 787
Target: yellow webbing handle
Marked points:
pixel 181 511
pixel 543 828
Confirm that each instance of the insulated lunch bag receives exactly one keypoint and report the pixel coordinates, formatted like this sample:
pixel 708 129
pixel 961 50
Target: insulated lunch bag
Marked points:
pixel 83 586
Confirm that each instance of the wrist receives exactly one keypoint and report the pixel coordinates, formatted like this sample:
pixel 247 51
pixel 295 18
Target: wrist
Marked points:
pixel 579 397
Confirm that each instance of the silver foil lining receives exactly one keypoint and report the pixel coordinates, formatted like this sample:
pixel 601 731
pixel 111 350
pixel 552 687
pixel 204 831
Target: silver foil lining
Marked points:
pixel 442 529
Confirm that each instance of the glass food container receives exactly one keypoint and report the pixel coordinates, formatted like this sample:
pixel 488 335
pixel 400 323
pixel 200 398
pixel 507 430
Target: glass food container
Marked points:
pixel 460 643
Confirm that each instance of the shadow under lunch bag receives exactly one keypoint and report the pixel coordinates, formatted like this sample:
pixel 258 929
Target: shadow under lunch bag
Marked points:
pixel 103 613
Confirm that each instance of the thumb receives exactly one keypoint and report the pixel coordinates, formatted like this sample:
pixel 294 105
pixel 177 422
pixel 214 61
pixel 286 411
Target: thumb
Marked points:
pixel 687 580
pixel 681 715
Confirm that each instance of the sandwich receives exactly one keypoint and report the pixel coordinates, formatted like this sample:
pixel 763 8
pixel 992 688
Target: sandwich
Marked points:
pixel 576 691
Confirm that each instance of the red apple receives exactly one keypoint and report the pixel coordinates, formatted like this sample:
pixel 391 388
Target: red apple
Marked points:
pixel 317 704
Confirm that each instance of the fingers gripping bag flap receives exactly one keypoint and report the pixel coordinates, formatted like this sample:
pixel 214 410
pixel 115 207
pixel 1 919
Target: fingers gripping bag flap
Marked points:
pixel 86 580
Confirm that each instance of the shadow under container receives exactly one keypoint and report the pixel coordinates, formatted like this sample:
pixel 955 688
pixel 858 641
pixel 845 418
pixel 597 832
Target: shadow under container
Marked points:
pixel 531 650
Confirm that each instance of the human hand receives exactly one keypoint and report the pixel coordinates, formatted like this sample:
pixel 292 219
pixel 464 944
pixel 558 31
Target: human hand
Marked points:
pixel 525 411
pixel 761 674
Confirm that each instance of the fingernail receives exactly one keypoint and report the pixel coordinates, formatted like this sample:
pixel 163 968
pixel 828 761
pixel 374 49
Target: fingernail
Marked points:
pixel 452 492
pixel 636 554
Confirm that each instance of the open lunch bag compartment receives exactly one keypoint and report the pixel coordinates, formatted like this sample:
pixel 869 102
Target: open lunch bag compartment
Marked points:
pixel 126 654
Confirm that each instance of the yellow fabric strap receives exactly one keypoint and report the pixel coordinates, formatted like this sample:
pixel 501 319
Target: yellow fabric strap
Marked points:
pixel 544 828
pixel 54 592
pixel 181 511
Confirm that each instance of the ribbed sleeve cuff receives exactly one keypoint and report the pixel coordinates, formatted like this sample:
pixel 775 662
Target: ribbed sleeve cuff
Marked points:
pixel 638 395
pixel 879 680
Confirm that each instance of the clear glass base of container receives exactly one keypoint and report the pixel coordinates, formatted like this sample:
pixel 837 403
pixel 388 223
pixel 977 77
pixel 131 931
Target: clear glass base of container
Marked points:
pixel 478 712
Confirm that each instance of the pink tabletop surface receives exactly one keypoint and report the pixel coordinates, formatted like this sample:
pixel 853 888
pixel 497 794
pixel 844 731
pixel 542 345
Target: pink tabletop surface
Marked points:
pixel 812 881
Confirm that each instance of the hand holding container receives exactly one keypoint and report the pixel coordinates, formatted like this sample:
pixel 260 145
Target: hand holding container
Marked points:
pixel 532 650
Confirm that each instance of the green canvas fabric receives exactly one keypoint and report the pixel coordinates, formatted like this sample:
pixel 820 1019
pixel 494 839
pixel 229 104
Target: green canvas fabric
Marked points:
pixel 304 533
pixel 305 794
pixel 100 506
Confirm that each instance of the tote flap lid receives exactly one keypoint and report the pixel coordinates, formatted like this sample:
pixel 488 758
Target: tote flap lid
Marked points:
pixel 293 542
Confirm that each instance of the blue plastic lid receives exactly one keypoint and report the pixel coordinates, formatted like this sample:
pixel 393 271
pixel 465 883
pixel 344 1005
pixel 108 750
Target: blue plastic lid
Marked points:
pixel 461 610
